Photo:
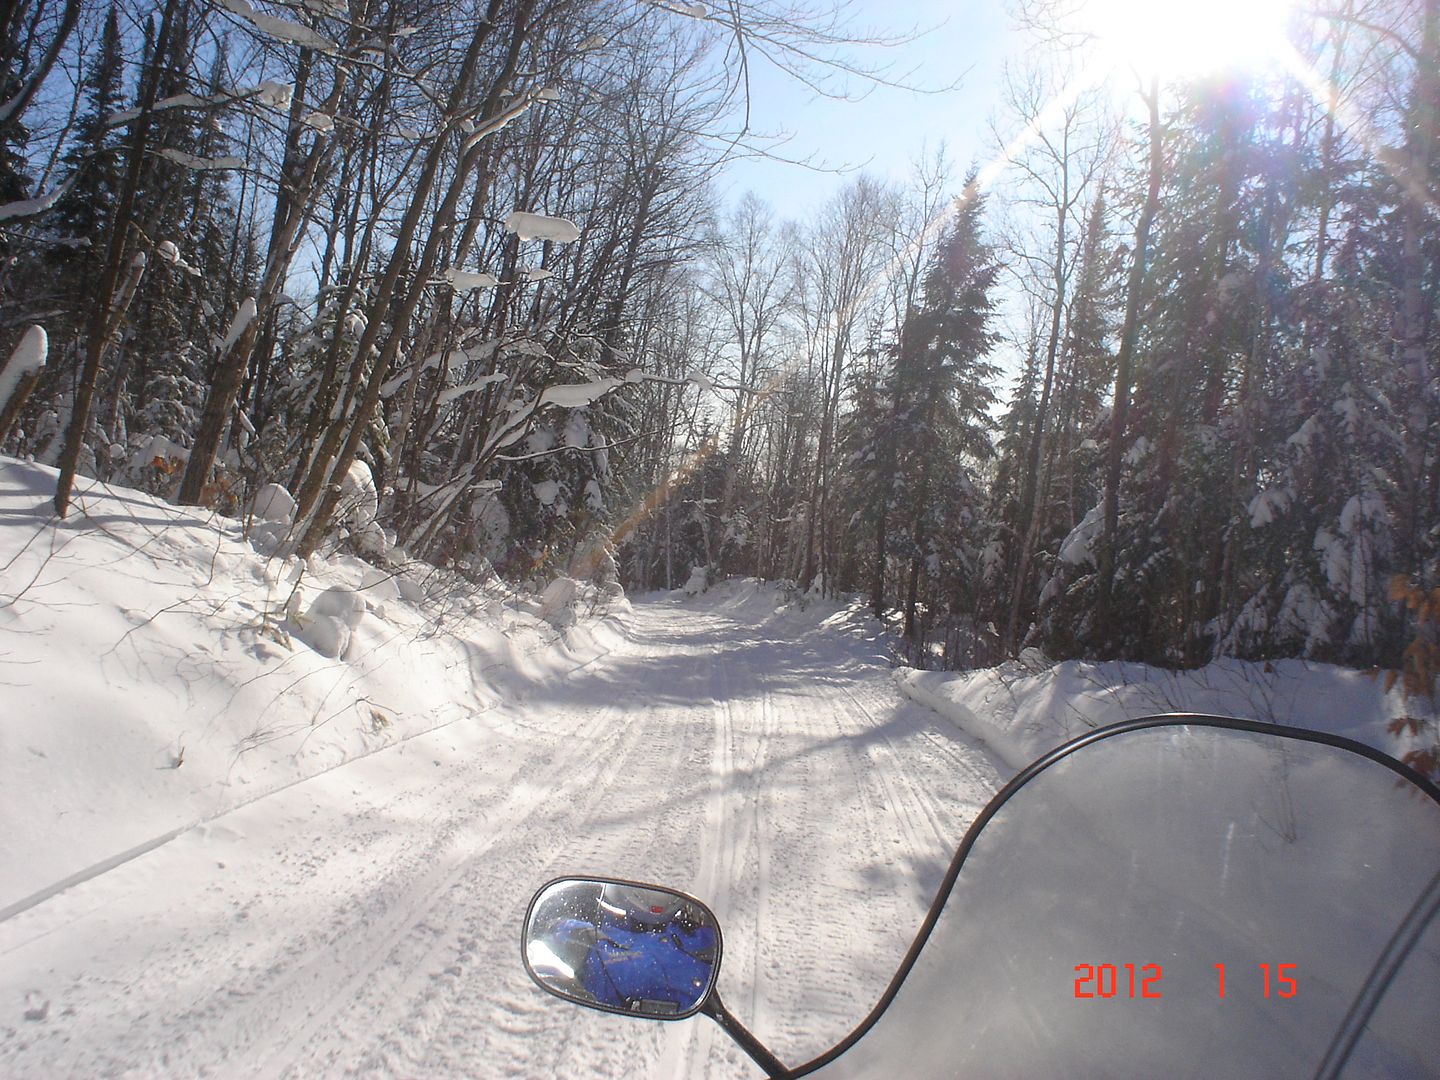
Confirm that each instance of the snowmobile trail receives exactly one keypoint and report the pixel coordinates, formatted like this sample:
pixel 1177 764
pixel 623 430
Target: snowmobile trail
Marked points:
pixel 367 922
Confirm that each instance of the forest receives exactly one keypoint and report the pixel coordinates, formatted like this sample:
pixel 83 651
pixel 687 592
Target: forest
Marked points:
pixel 454 282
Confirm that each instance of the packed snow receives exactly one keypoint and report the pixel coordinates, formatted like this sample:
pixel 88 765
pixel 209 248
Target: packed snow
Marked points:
pixel 283 818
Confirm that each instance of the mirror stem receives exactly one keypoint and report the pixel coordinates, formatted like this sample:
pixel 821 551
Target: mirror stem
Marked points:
pixel 715 1009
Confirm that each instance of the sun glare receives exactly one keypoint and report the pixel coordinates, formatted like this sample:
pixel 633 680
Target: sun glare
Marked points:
pixel 1189 37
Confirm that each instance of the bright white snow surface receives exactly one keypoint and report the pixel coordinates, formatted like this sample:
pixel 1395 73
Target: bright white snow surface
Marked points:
pixel 283 864
pixel 1026 707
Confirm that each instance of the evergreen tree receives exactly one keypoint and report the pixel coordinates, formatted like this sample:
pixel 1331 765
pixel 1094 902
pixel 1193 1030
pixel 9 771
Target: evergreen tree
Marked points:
pixel 942 391
pixel 14 135
pixel 94 158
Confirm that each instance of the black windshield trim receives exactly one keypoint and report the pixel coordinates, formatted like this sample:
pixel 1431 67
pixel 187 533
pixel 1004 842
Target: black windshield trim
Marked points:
pixel 1025 775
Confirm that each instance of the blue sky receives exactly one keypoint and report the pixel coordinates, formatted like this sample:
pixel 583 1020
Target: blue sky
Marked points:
pixel 883 132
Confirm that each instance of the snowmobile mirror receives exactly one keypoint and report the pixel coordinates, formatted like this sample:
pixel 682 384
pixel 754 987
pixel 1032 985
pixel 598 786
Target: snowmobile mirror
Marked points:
pixel 622 947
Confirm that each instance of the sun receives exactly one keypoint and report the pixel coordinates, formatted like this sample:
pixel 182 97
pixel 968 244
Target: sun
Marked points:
pixel 1176 38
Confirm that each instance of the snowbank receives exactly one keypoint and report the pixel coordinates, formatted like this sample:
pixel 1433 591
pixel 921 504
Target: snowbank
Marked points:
pixel 1024 708
pixel 155 671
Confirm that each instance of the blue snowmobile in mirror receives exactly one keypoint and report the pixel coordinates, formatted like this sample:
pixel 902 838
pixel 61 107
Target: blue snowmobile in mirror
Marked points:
pixel 623 946
pixel 1179 896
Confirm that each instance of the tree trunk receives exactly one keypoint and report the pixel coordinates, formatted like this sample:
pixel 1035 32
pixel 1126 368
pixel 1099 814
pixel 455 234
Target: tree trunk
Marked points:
pixel 310 497
pixel 1129 332
pixel 104 317
pixel 293 209
pixel 1031 488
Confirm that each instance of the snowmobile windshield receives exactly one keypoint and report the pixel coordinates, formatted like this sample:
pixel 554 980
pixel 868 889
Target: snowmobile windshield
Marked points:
pixel 1182 900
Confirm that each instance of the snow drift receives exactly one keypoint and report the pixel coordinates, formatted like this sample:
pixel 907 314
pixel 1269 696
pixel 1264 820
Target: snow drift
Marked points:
pixel 157 671
pixel 1026 707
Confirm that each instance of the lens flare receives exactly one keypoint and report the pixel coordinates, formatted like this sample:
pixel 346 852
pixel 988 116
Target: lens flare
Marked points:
pixel 1190 37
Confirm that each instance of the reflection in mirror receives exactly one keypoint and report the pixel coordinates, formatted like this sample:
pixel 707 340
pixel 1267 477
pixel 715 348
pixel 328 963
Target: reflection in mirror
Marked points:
pixel 623 947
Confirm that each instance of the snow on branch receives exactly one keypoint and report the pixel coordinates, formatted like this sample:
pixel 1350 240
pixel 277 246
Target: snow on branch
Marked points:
pixel 280 29
pixel 201 164
pixel 272 94
pixel 476 132
pixel 529 226
pixel 472 353
pixel 174 101
pixel 169 253
pixel 578 395
pixel 464 281
pixel 243 316
pixel 449 395
pixel 694 11
pixel 30 207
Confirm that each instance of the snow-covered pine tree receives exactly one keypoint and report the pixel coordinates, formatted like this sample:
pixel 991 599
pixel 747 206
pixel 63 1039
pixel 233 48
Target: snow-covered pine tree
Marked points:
pixel 82 216
pixel 943 390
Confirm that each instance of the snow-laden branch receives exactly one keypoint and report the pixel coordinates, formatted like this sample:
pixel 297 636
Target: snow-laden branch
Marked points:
pixel 201 164
pixel 174 101
pixel 170 254
pixel 567 449
pixel 30 207
pixel 529 226
pixel 465 281
pixel 280 29
pixel 680 7
pixel 448 395
pixel 242 319
pixel 476 132
pixel 272 95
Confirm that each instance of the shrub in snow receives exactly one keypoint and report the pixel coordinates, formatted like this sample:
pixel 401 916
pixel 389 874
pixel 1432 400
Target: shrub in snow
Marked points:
pixel 274 503
pixel 359 501
pixel 331 620
pixel 699 581
pixel 557 602
pixel 358 510
pixel 379 585
pixel 411 587
pixel 373 540
pixel 341 603
pixel 327 635
pixel 153 464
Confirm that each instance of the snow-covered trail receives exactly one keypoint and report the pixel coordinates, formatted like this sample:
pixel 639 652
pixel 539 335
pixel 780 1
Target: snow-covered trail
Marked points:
pixel 367 921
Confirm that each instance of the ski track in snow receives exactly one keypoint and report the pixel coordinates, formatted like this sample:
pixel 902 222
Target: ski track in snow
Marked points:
pixel 367 922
